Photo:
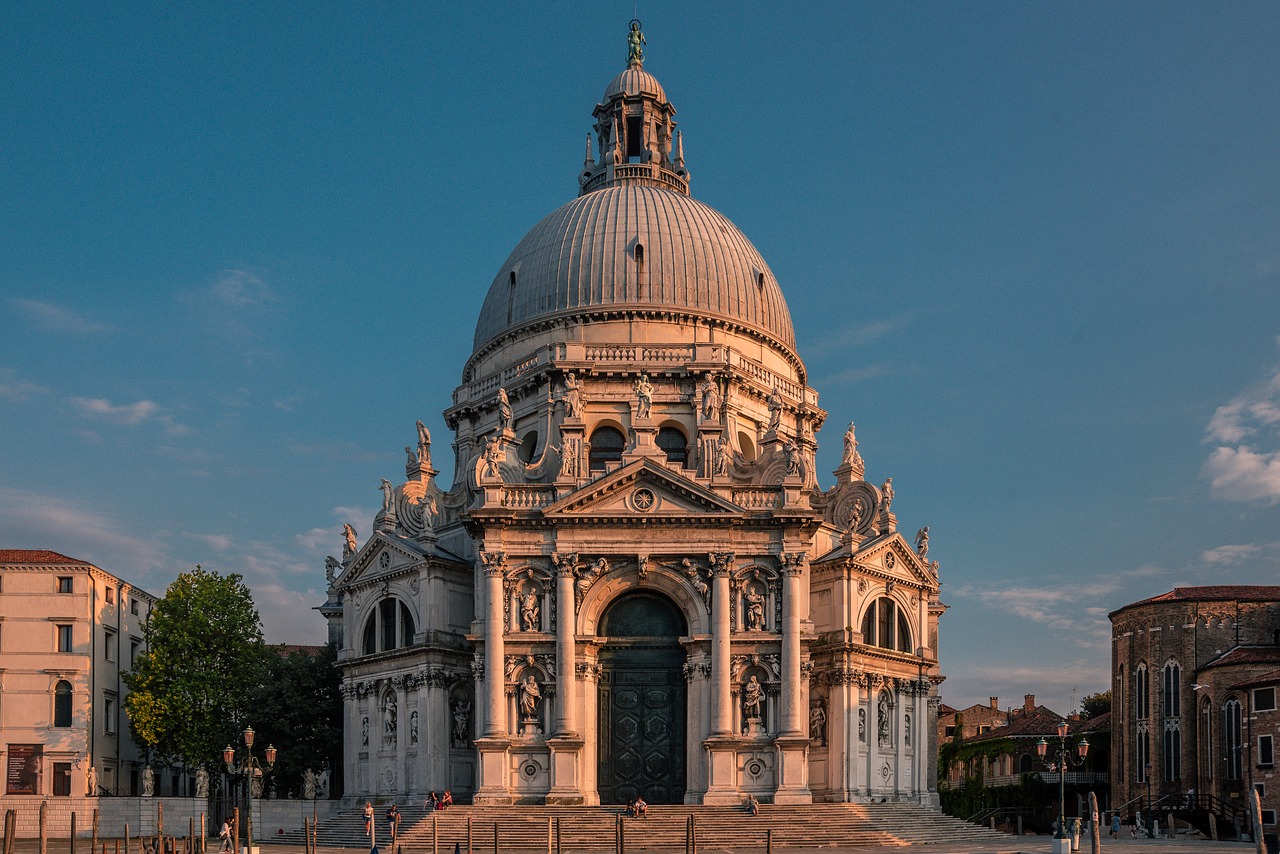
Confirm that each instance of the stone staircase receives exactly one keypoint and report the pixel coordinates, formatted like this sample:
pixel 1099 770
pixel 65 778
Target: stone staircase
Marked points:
pixel 590 830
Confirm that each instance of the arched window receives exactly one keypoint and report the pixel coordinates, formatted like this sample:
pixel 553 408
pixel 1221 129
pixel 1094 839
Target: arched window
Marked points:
pixel 640 281
pixel 885 625
pixel 606 447
pixel 674 445
pixel 1231 742
pixel 529 447
pixel 390 626
pixel 1172 690
pixel 1024 764
pixel 1140 692
pixel 62 704
pixel 511 296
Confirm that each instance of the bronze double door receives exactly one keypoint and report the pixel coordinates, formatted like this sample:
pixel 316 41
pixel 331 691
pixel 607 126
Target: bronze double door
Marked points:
pixel 642 722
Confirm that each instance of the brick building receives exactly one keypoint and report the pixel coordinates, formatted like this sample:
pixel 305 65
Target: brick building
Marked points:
pixel 1194 716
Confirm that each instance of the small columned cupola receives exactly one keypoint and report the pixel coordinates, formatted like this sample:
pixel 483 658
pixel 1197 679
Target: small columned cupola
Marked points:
pixel 635 131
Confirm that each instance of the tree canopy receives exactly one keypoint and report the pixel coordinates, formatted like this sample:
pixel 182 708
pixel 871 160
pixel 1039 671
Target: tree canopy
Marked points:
pixel 191 691
pixel 299 708
pixel 1095 704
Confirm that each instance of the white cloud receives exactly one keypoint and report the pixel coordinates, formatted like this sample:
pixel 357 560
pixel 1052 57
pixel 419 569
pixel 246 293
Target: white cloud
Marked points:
pixel 855 335
pixel 1243 474
pixel 16 389
pixel 240 288
pixel 131 414
pixel 51 317
pixel 1231 554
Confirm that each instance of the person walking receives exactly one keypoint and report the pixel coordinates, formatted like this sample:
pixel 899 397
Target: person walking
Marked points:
pixel 225 836
pixel 1115 826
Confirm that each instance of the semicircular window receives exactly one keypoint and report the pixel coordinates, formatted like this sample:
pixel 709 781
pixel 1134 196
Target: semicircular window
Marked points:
pixel 674 445
pixel 642 614
pixel 606 447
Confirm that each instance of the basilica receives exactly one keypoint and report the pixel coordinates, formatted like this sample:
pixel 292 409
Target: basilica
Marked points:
pixel 635 584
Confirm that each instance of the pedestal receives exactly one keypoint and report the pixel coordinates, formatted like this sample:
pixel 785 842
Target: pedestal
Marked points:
pixel 566 782
pixel 793 773
pixel 722 783
pixel 493 771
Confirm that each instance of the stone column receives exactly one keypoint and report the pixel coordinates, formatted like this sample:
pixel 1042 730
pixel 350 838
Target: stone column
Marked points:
pixel 721 699
pixel 792 742
pixel 492 747
pixel 566 746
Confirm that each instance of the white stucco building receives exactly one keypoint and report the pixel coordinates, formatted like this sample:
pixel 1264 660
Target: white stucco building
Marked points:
pixel 67 631
pixel 635 583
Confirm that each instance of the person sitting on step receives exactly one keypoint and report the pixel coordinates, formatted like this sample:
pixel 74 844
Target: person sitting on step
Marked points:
pixel 642 809
pixel 752 805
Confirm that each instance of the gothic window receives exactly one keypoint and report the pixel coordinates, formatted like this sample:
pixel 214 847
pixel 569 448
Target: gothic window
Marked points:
pixel 1231 742
pixel 1142 755
pixel 1140 692
pixel 885 625
pixel 1172 752
pixel 606 447
pixel 62 704
pixel 1172 690
pixel 674 445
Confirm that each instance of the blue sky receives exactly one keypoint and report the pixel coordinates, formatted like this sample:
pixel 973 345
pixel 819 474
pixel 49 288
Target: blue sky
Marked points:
pixel 1032 249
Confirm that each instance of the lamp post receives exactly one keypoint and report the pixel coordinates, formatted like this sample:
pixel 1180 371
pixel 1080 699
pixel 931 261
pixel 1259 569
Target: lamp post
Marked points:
pixel 1062 756
pixel 250 768
pixel 1151 825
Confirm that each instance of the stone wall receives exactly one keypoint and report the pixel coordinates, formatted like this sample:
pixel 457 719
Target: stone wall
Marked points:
pixel 140 816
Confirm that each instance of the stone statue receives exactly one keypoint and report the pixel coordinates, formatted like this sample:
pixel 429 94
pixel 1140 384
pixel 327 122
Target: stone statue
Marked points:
pixel 755 610
pixel 387 491
pixel 710 399
pixel 492 458
pixel 427 507
pixel 413 727
pixel 572 396
pixel 724 456
pixel 364 731
pixel 461 709
pixel 635 42
pixel 862 725
pixel 309 785
pixel 855 519
pixel 389 724
pixel 695 578
pixel 148 782
pixel 348 541
pixel 91 781
pixel 818 724
pixel 411 458
pixel 752 699
pixel 775 409
pixel 529 696
pixel 331 569
pixel 424 444
pixel 906 729
pixel 795 465
pixel 202 782
pixel 504 410
pixel 882 720
pixel 530 615
pixel 887 490
pixel 922 542
pixel 322 784
pixel 850 447
pixel 644 396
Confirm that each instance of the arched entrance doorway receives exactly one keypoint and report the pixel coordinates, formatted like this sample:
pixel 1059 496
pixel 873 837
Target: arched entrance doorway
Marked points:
pixel 642 700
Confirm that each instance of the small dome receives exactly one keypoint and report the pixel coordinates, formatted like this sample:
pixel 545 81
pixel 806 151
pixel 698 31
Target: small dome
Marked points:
pixel 583 258
pixel 635 81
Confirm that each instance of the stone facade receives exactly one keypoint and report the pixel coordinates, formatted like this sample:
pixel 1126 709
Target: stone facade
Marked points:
pixel 67 630
pixel 634 584
pixel 1195 674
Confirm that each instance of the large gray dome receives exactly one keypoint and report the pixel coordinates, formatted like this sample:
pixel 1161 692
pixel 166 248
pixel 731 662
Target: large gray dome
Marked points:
pixel 583 258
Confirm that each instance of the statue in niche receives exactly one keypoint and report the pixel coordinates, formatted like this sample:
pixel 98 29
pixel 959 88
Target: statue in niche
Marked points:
pixel 882 720
pixel 887 490
pixel 862 725
pixel 775 410
pixel 530 614
pixel 364 731
pixel 572 396
pixel 635 43
pixel 387 492
pixel 568 451
pixel 413 727
pixel 752 699
pixel 724 456
pixel 504 410
pixel 906 729
pixel 492 458
pixel 850 447
pixel 818 723
pixel 348 541
pixel 309 785
pixel 389 724
pixel 754 616
pixel 922 542
pixel 644 396
pixel 710 398
pixel 461 710
pixel 424 444
pixel 530 695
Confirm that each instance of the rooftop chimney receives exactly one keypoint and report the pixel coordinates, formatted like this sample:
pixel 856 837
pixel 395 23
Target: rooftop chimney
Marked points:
pixel 995 703
pixel 1028 703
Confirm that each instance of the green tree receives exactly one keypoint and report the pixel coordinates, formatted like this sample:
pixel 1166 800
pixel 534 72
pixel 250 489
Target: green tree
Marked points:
pixel 1095 704
pixel 190 691
pixel 299 709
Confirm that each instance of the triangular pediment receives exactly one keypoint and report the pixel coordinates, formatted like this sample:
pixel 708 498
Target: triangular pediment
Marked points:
pixel 383 555
pixel 643 489
pixel 890 555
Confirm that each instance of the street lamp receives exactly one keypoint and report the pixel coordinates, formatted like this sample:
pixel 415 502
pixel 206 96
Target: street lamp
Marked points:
pixel 1062 756
pixel 1151 825
pixel 250 768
